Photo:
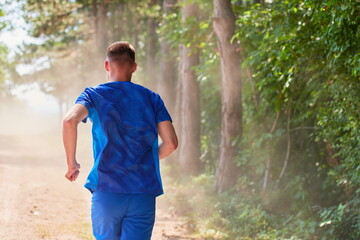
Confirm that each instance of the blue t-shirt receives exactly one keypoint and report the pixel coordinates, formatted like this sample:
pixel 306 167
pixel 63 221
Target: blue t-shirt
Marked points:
pixel 125 137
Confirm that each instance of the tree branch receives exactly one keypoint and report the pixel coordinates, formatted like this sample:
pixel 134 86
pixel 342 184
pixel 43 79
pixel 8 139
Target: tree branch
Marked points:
pixel 288 144
pixel 268 160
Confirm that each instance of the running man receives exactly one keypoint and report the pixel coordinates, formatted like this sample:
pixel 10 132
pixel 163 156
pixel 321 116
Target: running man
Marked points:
pixel 126 121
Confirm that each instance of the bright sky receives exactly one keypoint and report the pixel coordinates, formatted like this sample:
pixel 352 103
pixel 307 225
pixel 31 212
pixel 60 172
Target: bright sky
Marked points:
pixel 13 38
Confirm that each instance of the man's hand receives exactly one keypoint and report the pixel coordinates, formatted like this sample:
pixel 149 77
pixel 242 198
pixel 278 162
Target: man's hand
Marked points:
pixel 73 172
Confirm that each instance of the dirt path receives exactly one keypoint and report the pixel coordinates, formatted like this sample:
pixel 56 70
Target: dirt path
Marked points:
pixel 37 202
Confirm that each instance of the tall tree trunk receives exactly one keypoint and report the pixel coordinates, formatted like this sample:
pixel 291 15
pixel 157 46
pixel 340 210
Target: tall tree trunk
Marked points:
pixel 167 79
pixel 189 155
pixel 150 66
pixel 231 124
pixel 168 75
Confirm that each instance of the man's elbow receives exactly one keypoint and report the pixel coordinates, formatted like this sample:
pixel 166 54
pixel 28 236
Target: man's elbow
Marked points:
pixel 173 144
pixel 69 121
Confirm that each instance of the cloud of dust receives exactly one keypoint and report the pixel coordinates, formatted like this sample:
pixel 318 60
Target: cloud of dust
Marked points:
pixel 26 130
pixel 17 118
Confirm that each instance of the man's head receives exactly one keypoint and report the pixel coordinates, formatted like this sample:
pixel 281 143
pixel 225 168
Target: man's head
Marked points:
pixel 120 61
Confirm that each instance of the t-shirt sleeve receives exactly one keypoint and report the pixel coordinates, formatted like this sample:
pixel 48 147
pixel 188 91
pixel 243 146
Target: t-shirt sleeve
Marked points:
pixel 161 112
pixel 85 99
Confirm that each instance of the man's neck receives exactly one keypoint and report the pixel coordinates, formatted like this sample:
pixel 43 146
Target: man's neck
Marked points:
pixel 119 79
pixel 116 80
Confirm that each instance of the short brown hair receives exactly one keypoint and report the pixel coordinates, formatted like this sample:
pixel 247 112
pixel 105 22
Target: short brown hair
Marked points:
pixel 121 51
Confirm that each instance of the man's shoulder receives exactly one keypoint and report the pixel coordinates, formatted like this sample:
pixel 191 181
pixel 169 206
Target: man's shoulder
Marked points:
pixel 104 87
pixel 143 88
pixel 146 90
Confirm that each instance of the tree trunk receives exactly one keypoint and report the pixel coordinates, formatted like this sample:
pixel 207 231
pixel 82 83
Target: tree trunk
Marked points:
pixel 231 124
pixel 167 79
pixel 189 155
pixel 151 49
pixel 168 76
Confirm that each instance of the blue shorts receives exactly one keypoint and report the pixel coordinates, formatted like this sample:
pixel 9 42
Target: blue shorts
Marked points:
pixel 122 216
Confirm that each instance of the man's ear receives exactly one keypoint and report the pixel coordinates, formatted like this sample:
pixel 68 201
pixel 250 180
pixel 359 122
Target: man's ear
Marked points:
pixel 106 65
pixel 134 67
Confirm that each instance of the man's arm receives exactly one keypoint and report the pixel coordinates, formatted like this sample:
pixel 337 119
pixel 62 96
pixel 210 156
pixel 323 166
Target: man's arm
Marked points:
pixel 169 139
pixel 69 131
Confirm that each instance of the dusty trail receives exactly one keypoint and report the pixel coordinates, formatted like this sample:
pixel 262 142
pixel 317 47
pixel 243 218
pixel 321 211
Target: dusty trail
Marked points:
pixel 37 202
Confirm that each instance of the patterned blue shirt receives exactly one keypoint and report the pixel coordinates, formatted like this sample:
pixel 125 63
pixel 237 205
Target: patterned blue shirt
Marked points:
pixel 125 137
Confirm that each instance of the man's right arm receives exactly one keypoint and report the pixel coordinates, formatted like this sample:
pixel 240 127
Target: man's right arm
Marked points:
pixel 69 131
pixel 169 139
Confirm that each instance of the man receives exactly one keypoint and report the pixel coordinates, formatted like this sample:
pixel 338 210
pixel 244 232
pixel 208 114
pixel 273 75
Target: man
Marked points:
pixel 127 119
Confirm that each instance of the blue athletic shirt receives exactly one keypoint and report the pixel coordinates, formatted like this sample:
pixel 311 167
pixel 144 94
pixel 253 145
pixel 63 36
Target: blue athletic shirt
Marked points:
pixel 125 137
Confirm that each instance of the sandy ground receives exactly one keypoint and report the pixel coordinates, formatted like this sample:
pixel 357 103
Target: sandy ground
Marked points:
pixel 37 202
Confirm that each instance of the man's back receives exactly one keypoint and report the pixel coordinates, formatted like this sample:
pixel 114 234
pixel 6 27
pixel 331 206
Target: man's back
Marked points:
pixel 125 117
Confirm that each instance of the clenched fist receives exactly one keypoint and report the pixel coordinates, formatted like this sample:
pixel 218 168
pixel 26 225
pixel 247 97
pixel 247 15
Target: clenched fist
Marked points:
pixel 73 172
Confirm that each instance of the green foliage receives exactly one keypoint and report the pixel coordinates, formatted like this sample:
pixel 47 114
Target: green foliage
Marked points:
pixel 58 23
pixel 341 221
pixel 210 99
pixel 339 119
pixel 193 32
pixel 304 60
pixel 210 123
pixel 238 215
pixel 300 88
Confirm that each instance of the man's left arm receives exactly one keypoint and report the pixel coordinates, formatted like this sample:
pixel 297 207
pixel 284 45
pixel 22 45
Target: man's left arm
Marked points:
pixel 69 132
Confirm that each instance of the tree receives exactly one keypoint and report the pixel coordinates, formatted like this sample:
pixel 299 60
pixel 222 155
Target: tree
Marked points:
pixel 189 154
pixel 231 125
pixel 304 61
pixel 168 76
pixel 166 86
pixel 100 11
